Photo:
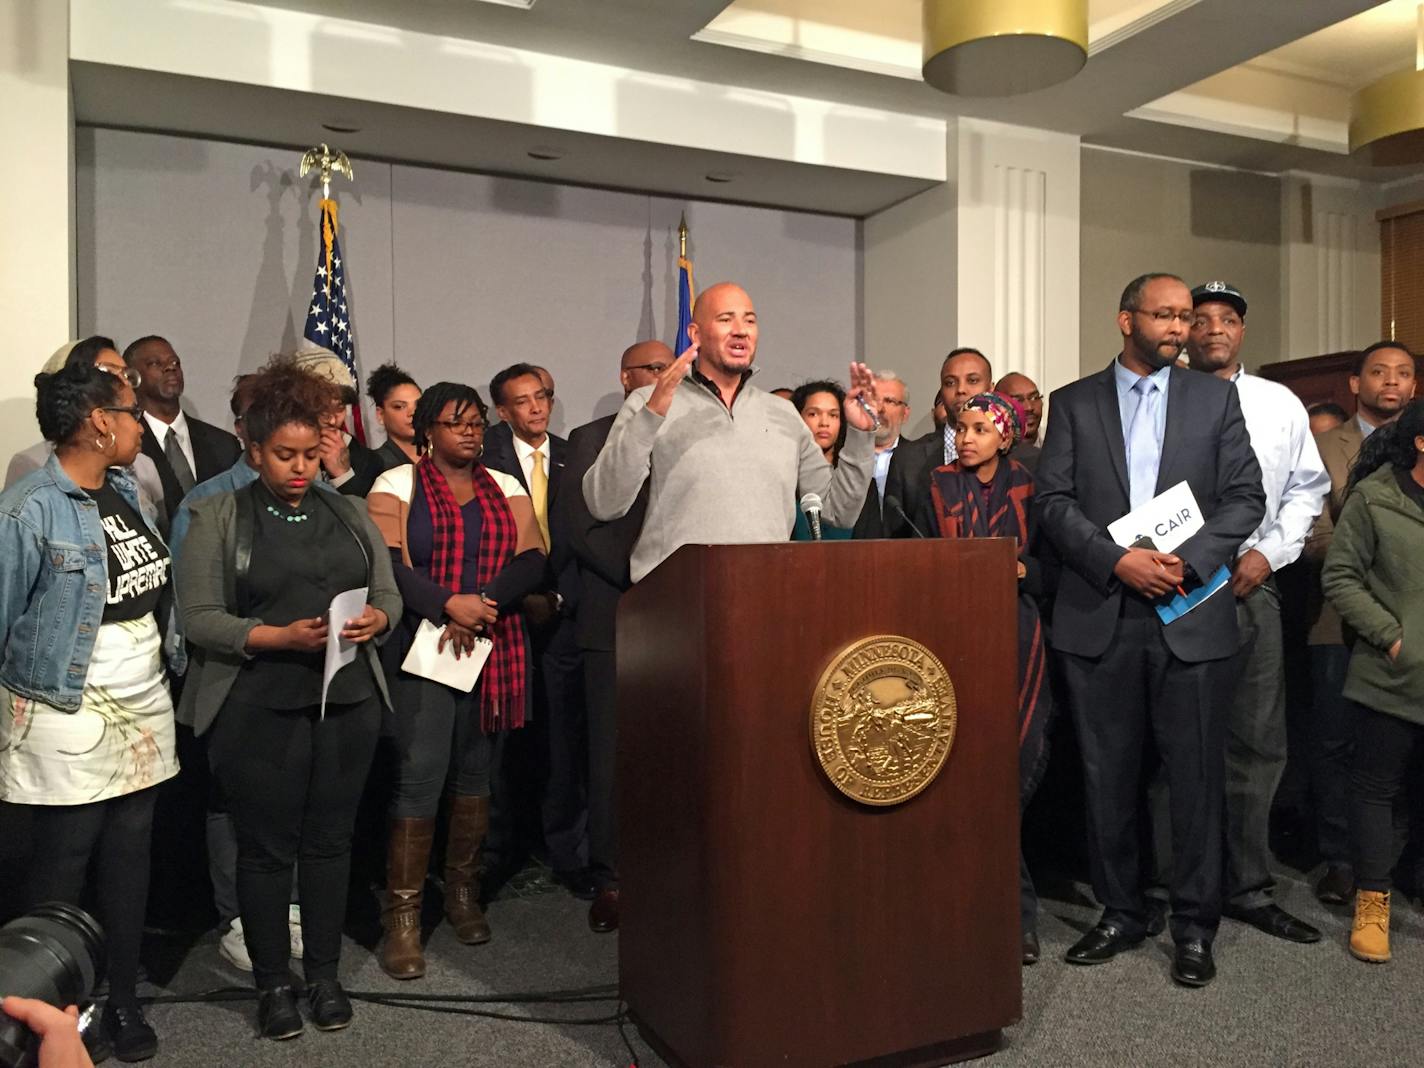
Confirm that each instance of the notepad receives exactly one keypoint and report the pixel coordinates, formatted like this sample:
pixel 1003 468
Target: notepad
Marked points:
pixel 428 661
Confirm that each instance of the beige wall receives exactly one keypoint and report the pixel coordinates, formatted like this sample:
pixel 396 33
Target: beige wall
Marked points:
pixel 1143 214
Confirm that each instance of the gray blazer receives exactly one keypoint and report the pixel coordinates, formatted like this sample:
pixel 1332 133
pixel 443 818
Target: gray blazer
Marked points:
pixel 206 584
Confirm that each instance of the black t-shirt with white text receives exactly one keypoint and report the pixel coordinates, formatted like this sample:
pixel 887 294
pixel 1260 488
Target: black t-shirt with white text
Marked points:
pixel 138 561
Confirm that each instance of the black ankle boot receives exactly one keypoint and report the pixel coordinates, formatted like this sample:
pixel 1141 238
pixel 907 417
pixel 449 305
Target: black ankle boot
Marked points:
pixel 129 1033
pixel 277 1013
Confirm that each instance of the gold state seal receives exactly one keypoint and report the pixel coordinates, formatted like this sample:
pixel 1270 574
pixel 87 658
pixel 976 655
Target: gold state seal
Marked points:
pixel 882 719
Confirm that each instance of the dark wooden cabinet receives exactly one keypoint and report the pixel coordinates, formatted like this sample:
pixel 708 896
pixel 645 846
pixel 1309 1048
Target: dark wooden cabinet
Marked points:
pixel 765 917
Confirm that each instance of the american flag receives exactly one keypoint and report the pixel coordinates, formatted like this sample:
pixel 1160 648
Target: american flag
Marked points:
pixel 328 318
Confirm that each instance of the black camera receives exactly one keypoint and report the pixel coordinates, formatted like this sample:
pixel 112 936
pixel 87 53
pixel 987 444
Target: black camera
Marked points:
pixel 53 953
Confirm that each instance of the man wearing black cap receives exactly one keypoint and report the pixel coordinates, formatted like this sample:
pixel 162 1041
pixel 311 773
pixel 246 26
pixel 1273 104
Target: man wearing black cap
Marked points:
pixel 1295 483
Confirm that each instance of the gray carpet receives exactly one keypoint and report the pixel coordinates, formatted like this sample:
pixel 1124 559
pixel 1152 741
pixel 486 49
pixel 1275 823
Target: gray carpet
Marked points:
pixel 1272 1004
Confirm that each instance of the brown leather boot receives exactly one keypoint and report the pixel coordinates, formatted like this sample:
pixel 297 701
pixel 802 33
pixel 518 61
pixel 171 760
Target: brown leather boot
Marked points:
pixel 1369 938
pixel 407 858
pixel 469 822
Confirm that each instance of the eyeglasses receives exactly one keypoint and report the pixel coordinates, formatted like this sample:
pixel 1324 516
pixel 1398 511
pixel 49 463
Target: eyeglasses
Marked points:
pixel 461 426
pixel 893 402
pixel 1027 398
pixel 136 410
pixel 1166 315
pixel 651 368
pixel 128 374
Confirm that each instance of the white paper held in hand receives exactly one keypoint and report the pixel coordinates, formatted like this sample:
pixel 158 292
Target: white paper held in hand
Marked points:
pixel 344 607
pixel 1169 519
pixel 426 660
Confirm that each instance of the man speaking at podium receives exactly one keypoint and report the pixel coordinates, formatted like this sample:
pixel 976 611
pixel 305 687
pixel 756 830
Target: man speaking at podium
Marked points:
pixel 726 462
pixel 1116 440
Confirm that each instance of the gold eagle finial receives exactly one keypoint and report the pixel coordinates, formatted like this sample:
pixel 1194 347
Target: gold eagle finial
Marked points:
pixel 327 161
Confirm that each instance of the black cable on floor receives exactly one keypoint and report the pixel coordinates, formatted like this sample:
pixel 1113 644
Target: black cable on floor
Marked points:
pixel 576 995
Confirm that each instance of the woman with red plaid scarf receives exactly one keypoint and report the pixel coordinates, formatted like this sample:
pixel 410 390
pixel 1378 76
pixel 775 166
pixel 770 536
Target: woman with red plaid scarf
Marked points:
pixel 986 494
pixel 464 543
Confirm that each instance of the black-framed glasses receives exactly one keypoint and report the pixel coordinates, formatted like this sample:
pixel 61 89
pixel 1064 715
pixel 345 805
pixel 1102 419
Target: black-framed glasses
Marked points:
pixel 462 426
pixel 135 410
pixel 651 368
pixel 1027 398
pixel 1166 315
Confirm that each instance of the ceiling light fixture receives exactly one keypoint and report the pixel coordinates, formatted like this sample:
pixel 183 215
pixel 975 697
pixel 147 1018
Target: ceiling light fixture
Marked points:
pixel 1003 47
pixel 721 177
pixel 339 127
pixel 1387 117
pixel 547 152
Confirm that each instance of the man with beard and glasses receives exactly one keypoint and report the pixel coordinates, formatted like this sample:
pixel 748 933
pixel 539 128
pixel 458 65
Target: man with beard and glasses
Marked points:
pixel 1119 438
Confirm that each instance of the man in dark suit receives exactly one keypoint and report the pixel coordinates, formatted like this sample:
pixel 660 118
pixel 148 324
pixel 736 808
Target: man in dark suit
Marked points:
pixel 543 767
pixel 1118 438
pixel 874 522
pixel 185 449
pixel 599 553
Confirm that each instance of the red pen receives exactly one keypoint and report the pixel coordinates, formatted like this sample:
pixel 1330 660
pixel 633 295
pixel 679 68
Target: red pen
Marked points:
pixel 1179 588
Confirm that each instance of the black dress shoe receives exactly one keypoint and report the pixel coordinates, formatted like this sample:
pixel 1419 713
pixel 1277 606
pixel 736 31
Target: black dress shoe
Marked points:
pixel 579 883
pixel 1192 965
pixel 1157 910
pixel 1031 951
pixel 1336 886
pixel 277 1013
pixel 1100 945
pixel 129 1033
pixel 603 913
pixel 330 1007
pixel 1276 922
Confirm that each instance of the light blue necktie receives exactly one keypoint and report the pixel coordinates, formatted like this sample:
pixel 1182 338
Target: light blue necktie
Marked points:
pixel 1144 451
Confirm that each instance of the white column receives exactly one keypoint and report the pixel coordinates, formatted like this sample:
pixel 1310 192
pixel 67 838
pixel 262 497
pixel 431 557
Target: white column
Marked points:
pixel 36 205
pixel 989 259
pixel 1330 266
pixel 1018 258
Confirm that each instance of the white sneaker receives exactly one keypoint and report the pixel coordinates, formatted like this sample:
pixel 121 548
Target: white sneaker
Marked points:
pixel 294 927
pixel 232 947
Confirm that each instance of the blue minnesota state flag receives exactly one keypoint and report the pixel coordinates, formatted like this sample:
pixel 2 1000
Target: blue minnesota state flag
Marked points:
pixel 684 305
pixel 329 318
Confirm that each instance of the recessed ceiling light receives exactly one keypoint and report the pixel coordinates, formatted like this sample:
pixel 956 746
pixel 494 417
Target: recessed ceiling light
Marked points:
pixel 547 152
pixel 721 177
pixel 340 127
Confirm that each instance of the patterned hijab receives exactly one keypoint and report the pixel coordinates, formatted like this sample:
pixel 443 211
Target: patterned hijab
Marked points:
pixel 1005 413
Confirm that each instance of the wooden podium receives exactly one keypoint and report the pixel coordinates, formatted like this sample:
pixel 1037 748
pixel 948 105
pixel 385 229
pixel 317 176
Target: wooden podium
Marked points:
pixel 766 918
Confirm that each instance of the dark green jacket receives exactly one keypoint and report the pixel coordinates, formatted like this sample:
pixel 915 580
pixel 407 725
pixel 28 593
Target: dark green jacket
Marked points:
pixel 206 583
pixel 1374 576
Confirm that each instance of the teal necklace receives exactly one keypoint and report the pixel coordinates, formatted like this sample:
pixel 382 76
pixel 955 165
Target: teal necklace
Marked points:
pixel 293 517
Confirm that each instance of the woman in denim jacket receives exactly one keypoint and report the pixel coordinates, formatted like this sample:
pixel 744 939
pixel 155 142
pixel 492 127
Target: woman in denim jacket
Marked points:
pixel 86 722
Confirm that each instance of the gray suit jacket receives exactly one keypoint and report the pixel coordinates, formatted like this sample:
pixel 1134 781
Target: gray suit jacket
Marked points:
pixel 1082 486
pixel 206 585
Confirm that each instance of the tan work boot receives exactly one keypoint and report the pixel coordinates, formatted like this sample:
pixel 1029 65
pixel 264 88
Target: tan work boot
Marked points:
pixel 407 858
pixel 469 823
pixel 1369 939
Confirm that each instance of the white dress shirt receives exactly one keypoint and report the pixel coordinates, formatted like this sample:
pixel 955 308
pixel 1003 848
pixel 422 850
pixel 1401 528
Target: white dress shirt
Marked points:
pixel 1292 474
pixel 160 431
pixel 525 452
pixel 882 465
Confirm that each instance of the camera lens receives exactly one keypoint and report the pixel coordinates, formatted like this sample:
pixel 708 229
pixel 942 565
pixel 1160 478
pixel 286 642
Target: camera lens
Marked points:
pixel 52 953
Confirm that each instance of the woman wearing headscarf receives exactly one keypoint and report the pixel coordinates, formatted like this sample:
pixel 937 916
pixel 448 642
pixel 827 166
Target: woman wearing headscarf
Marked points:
pixel 466 549
pixel 1374 576
pixel 86 721
pixel 987 494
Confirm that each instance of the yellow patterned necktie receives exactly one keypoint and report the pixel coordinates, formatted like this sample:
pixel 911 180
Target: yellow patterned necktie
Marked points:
pixel 539 494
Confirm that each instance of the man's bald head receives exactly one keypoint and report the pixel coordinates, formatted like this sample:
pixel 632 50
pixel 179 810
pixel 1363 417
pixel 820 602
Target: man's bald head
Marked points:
pixel 724 327
pixel 642 363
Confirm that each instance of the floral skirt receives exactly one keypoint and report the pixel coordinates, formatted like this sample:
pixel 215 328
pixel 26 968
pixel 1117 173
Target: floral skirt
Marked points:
pixel 119 741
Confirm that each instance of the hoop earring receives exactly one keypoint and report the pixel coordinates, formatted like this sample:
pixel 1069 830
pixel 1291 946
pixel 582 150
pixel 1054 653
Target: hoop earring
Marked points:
pixel 481 452
pixel 99 442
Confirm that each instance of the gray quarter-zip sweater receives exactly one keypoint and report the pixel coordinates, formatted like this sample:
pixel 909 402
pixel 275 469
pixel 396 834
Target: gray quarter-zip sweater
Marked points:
pixel 718 476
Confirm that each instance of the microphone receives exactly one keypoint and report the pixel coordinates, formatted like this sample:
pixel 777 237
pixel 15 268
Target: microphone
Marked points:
pixel 893 503
pixel 811 506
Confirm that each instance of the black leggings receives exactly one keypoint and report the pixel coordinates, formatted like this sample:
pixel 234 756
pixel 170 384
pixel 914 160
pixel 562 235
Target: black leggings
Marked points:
pixel 1384 745
pixel 293 783
pixel 117 834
